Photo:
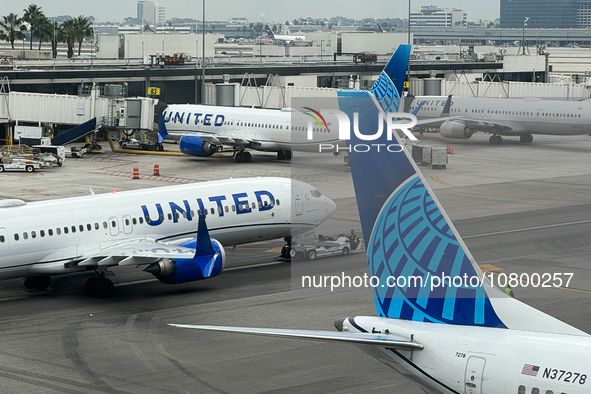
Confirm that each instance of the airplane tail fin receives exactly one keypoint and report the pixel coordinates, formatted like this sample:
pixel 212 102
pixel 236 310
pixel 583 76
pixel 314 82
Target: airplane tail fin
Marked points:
pixel 446 109
pixel 162 132
pixel 409 236
pixel 269 32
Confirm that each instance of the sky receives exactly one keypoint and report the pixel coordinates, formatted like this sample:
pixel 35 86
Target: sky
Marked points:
pixel 274 11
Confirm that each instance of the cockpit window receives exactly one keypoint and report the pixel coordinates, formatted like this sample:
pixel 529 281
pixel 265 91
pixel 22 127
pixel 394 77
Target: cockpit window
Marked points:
pixel 315 193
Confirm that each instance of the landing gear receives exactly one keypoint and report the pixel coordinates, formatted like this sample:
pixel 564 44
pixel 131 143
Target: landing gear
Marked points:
pixel 286 250
pixel 99 286
pixel 284 155
pixel 495 140
pixel 243 157
pixel 37 282
pixel 526 138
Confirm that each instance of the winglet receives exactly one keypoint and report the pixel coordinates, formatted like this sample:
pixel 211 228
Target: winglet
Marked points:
pixel 203 246
pixel 162 132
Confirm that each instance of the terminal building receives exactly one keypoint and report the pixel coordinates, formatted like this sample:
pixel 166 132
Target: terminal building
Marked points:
pixel 432 16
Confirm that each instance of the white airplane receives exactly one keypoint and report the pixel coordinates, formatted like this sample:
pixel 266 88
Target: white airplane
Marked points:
pixel 286 38
pixel 448 336
pixel 151 227
pixel 204 130
pixel 503 117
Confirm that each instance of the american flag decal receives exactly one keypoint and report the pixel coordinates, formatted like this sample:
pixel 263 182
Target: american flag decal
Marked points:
pixel 530 370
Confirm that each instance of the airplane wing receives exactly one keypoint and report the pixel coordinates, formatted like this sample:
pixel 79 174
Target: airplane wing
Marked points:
pixel 134 252
pixel 389 340
pixel 480 125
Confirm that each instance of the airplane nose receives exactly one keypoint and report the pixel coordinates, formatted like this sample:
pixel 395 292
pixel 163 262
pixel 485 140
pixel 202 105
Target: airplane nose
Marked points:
pixel 330 206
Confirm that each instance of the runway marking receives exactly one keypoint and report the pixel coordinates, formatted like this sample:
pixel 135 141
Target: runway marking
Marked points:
pixel 503 193
pixel 489 267
pixel 152 177
pixel 517 230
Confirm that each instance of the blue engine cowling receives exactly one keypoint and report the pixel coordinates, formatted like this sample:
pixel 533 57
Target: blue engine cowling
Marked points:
pixel 195 146
pixel 172 271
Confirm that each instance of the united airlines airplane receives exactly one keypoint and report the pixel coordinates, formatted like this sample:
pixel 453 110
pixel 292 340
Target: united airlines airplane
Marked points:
pixel 503 117
pixel 449 336
pixel 163 229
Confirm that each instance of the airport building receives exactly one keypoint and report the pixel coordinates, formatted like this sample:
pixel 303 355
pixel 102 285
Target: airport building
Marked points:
pixel 151 12
pixel 542 14
pixel 432 16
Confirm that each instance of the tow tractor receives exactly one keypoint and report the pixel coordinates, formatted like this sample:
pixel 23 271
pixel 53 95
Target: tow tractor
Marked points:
pixel 311 249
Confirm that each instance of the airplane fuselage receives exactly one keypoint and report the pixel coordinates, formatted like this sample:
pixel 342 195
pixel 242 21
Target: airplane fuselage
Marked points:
pixel 522 116
pixel 50 237
pixel 265 129
pixel 475 360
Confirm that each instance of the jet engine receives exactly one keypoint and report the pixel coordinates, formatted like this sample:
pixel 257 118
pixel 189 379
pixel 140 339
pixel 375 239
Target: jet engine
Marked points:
pixel 195 146
pixel 171 271
pixel 455 130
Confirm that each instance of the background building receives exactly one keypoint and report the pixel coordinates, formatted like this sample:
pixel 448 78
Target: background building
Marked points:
pixel 151 12
pixel 433 16
pixel 545 14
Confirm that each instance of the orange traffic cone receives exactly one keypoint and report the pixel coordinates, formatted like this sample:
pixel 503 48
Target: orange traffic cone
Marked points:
pixel 136 173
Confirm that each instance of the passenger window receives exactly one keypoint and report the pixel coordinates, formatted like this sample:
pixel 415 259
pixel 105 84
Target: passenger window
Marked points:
pixel 16 237
pixel 73 229
pixel 212 211
pixel 113 223
pixel 233 208
pixel 25 236
pixel 50 232
pixel 253 205
pixel 141 220
pixel 521 389
pixel 260 204
pixel 199 212
pixel 126 221
pixel 219 210
pixel 161 217
pixel 134 221
pixel 169 216
pixel 2 238
pixel 42 233
pixel 66 230
pixel 89 227
pixel 33 234
pixel 535 390
pixel 227 209
pixel 549 392
pixel 192 213
pixel 277 201
pixel 81 227
pixel 58 231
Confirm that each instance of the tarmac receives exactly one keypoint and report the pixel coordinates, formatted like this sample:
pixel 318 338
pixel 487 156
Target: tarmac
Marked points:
pixel 521 208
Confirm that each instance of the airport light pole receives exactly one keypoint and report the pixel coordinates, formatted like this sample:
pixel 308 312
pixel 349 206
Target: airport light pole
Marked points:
pixel 523 37
pixel 203 58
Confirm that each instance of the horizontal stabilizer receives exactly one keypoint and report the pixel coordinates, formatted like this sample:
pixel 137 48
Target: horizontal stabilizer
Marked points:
pixel 390 341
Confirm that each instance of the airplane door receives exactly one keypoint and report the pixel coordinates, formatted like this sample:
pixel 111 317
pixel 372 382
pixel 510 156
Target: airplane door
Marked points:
pixel 473 377
pixel 298 204
pixel 127 226
pixel 114 225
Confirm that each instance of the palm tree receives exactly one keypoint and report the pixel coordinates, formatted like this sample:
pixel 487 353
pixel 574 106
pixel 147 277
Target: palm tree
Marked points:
pixel 12 29
pixel 44 30
pixel 82 30
pixel 67 34
pixel 33 15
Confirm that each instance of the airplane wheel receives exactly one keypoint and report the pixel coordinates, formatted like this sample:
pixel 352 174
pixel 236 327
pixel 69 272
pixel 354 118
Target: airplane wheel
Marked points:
pixel 90 286
pixel 41 282
pixel 495 140
pixel 28 282
pixel 104 288
pixel 247 157
pixel 219 149
pixel 531 138
pixel 240 157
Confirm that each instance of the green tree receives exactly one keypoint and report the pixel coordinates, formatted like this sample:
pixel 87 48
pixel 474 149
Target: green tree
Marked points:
pixel 33 15
pixel 82 30
pixel 44 30
pixel 12 28
pixel 258 28
pixel 67 34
